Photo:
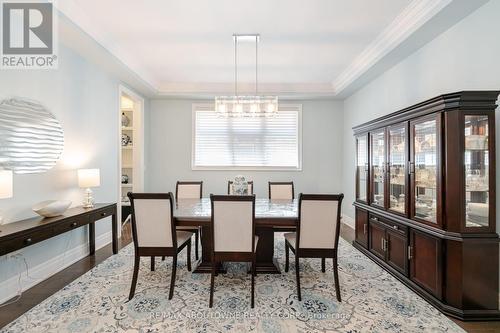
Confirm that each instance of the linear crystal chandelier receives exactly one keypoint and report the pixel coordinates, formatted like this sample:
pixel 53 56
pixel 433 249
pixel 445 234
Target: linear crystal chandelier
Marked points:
pixel 245 105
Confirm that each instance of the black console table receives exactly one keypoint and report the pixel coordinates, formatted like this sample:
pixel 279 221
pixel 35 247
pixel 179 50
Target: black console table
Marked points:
pixel 17 235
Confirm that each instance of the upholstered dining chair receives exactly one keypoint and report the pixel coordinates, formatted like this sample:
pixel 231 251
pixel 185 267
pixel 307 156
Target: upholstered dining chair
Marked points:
pixel 233 234
pixel 154 233
pixel 281 191
pixel 230 187
pixel 317 234
pixel 190 190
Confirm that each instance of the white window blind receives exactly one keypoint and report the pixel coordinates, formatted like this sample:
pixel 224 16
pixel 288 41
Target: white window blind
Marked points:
pixel 246 143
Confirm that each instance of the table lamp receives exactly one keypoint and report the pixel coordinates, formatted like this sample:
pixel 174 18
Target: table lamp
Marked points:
pixel 6 186
pixel 88 178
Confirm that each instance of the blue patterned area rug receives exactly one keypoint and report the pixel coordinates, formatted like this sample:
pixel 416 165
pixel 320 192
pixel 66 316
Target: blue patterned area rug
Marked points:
pixel 372 300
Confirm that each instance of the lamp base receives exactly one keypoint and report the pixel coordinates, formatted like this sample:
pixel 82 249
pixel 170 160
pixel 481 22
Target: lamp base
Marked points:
pixel 88 200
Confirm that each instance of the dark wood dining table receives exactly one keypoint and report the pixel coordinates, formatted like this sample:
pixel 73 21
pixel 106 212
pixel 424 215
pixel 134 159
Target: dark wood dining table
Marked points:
pixel 269 215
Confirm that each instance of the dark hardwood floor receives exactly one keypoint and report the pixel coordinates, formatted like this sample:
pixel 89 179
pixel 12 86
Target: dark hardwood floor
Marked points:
pixel 45 289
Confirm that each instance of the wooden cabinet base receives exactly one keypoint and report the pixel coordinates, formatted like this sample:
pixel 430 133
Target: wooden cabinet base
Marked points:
pixel 465 315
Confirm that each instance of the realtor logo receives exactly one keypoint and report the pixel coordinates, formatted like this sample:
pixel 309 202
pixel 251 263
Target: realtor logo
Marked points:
pixel 28 35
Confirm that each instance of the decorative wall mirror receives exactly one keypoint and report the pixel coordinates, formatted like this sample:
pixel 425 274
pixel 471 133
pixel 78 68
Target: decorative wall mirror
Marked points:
pixel 31 138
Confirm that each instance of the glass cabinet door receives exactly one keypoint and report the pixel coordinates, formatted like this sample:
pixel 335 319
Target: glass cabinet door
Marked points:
pixel 476 160
pixel 377 139
pixel 362 168
pixel 424 169
pixel 397 168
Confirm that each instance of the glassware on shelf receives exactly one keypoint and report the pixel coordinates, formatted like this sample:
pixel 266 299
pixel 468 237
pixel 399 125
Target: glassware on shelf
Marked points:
pixel 362 166
pixel 397 168
pixel 425 159
pixel 378 166
pixel 476 160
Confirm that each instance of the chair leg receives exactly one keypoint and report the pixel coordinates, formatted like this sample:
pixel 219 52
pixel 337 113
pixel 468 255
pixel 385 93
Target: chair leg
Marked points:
pixel 152 264
pixel 253 282
pixel 287 254
pixel 134 277
pixel 212 277
pixel 297 274
pixel 189 256
pixel 323 264
pixel 163 258
pixel 197 240
pixel 172 281
pixel 336 277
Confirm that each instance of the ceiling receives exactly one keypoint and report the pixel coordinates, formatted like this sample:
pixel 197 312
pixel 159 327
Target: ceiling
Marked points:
pixel 186 47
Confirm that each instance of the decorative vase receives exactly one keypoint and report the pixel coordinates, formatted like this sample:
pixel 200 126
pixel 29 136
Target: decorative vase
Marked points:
pixel 125 120
pixel 125 179
pixel 240 185
pixel 125 139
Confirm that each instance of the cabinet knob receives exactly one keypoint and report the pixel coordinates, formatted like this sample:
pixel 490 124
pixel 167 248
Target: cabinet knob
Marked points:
pixel 395 227
pixel 374 218
pixel 103 214
pixel 73 224
pixel 28 240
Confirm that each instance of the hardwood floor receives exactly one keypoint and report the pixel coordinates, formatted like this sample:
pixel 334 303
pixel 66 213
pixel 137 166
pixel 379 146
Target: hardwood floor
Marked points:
pixel 45 289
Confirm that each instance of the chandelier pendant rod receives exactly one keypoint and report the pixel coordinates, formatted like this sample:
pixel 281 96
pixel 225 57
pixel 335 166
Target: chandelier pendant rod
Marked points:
pixel 256 65
pixel 236 66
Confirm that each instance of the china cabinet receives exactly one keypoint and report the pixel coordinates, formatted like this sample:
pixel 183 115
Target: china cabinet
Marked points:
pixel 428 212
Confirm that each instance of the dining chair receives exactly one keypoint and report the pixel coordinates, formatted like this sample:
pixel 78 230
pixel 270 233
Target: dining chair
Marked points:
pixel 230 187
pixel 317 234
pixel 233 234
pixel 154 233
pixel 190 190
pixel 281 191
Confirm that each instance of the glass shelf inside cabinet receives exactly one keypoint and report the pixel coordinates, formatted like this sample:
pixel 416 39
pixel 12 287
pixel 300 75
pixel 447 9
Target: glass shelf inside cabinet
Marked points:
pixel 378 167
pixel 362 166
pixel 476 161
pixel 425 159
pixel 397 169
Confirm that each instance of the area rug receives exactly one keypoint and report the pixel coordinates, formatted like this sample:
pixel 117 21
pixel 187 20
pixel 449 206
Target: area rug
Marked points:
pixel 372 300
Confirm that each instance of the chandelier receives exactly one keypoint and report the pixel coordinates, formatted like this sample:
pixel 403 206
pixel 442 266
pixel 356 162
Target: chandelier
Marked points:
pixel 246 105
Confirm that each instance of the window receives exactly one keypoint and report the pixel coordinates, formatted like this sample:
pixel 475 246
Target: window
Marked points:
pixel 247 143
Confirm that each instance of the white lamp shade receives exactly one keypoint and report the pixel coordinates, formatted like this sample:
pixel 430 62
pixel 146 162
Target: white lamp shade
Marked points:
pixel 6 184
pixel 89 178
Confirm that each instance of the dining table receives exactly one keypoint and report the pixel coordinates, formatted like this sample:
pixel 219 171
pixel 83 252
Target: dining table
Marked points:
pixel 270 216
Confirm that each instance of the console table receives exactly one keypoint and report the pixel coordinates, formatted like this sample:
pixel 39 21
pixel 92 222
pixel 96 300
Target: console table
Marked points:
pixel 17 235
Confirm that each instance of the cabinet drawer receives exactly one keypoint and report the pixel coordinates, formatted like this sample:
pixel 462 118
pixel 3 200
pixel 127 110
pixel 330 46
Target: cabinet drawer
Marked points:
pixel 71 224
pixel 394 226
pixel 102 213
pixel 17 243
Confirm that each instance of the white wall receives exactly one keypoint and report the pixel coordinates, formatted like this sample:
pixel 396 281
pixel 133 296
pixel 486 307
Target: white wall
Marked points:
pixel 169 155
pixel 465 57
pixel 85 101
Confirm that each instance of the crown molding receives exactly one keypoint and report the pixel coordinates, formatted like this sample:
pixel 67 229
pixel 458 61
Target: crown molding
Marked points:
pixel 211 89
pixel 414 16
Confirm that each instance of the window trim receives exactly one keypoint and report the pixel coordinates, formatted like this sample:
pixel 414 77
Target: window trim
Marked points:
pixel 209 107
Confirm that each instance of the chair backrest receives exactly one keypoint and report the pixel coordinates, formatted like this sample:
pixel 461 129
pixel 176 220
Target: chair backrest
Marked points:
pixel 188 190
pixel 230 187
pixel 319 221
pixel 281 191
pixel 152 220
pixel 233 223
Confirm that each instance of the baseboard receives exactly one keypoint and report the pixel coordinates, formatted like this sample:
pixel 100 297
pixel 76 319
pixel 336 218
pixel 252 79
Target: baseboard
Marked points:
pixel 9 288
pixel 347 220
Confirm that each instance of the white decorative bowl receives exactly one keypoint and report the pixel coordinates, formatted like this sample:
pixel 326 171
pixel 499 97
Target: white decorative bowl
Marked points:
pixel 51 208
